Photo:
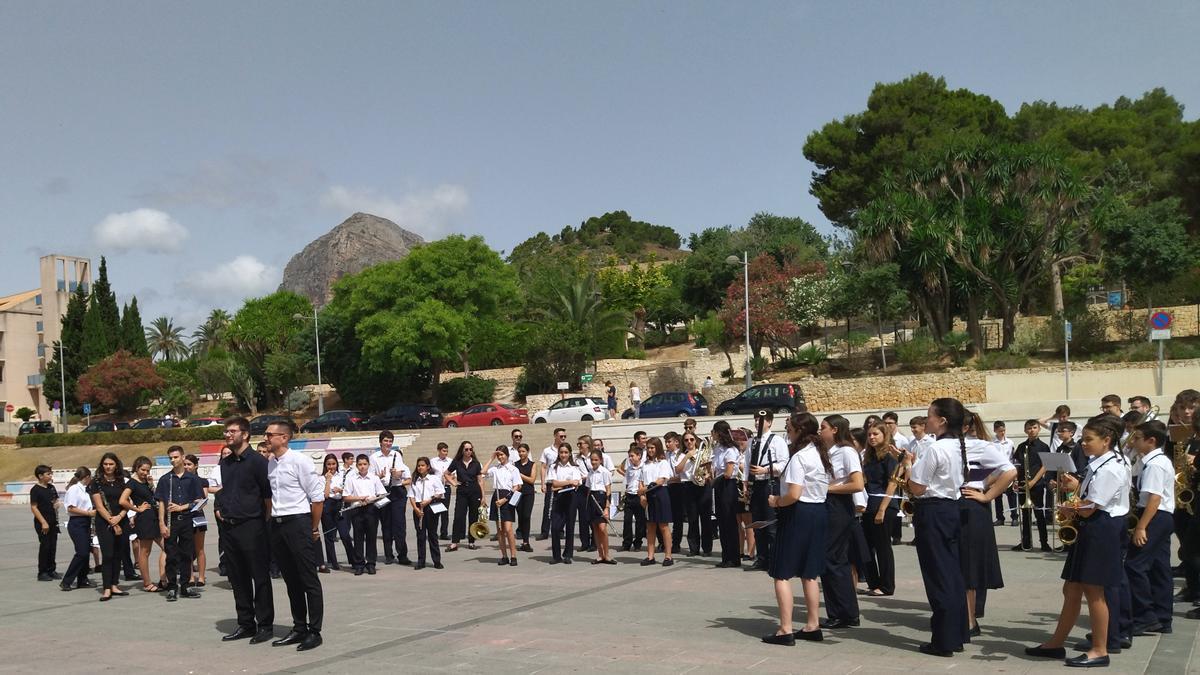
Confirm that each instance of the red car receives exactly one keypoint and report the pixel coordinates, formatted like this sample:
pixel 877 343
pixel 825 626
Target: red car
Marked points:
pixel 486 414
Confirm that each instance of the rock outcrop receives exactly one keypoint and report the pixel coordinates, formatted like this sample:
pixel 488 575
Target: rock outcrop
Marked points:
pixel 362 240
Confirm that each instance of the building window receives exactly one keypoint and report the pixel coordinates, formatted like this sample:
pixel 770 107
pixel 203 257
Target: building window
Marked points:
pixel 37 300
pixel 39 327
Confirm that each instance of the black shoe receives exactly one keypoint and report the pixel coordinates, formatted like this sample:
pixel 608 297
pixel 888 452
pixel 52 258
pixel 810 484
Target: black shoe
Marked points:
pixel 1046 548
pixel 263 634
pixel 998 521
pixel 335 567
pixel 1185 595
pixel 929 649
pixel 404 561
pixel 975 632
pixel 556 561
pixel 512 563
pixel 787 639
pixel 896 541
pixel 835 624
pixel 133 577
pixel 371 570
pixel 542 537
pixel 438 566
pixel 809 635
pixel 757 567
pixel 502 561
pixel 276 574
pixel 525 548
pixel 189 593
pixel 323 569
pixel 648 561
pixel 311 641
pixel 727 565
pixel 419 566
pixel 293 637
pixel 45 577
pixel 566 561
pixel 389 560
pixel 668 562
pixel 172 595
pixel 1193 613
pixel 1047 652
pixel 86 583
pixel 66 587
pixel 240 634
pixel 1139 631
pixel 1020 548
pixel 1177 572
pixel 221 569
pixel 97 569
pixel 55 575
pixel 1082 661
pixel 694 554
pixel 625 548
pixel 358 571
pixel 637 547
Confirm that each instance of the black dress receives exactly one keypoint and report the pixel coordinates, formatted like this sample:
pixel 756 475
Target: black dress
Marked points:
pixel 145 525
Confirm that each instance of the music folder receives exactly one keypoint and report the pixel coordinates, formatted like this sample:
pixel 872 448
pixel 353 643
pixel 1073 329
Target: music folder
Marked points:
pixel 1057 461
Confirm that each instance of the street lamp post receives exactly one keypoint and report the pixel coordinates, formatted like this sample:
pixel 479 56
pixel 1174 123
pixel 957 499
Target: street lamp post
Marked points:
pixel 317 337
pixel 745 263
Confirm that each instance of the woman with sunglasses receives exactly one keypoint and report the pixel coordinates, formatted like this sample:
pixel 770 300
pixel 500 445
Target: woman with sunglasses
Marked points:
pixel 466 475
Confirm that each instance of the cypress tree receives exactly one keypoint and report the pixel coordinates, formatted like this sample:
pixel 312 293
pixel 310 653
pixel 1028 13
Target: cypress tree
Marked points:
pixel 72 341
pixel 95 340
pixel 109 314
pixel 133 334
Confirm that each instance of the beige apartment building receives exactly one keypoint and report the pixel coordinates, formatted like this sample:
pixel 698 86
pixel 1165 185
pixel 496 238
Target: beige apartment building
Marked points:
pixel 30 323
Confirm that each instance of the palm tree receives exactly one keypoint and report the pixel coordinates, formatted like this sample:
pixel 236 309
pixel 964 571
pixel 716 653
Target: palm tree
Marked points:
pixel 211 334
pixel 581 305
pixel 165 340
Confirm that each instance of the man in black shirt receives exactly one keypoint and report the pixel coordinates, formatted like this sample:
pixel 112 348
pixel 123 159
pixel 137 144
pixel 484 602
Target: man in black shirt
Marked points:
pixel 43 501
pixel 245 505
pixel 176 494
pixel 1029 468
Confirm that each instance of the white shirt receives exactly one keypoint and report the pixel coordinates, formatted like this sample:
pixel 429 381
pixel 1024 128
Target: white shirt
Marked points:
pixel 563 473
pixel 382 464
pixel 1006 445
pixel 438 466
pixel 585 463
pixel 358 485
pixel 1158 478
pixel 1106 484
pixel 653 471
pixel 901 441
pixel 549 456
pixel 633 474
pixel 214 477
pixel 295 485
pixel 429 487
pixel 844 460
pixel 635 394
pixel 774 452
pixel 337 485
pixel 77 496
pixel 505 476
pixel 722 457
pixel 983 458
pixel 689 466
pixel 805 469
pixel 918 445
pixel 599 479
pixel 939 468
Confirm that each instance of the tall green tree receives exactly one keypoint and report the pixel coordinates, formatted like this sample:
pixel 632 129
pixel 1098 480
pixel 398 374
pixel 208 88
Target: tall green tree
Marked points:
pixel 105 300
pixel 72 342
pixel 212 334
pixel 165 340
pixel 265 326
pixel 133 335
pixel 97 342
pixel 601 328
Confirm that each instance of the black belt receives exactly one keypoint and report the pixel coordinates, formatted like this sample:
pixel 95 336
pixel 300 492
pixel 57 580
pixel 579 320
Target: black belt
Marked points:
pixel 283 519
pixel 233 522
pixel 179 514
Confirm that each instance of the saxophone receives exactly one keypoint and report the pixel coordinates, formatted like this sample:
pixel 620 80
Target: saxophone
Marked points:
pixel 1185 468
pixel 901 482
pixel 1068 530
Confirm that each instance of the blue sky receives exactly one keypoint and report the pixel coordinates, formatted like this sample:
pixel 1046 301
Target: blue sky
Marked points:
pixel 200 145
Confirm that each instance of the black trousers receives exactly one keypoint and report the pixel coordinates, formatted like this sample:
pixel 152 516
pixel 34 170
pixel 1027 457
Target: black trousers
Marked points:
pixel 344 524
pixel 220 541
pixel 764 538
pixel 580 496
pixel 443 518
pixel 938 527
pixel 330 518
pixel 725 493
pixel 545 532
pixel 1120 605
pixel 366 536
pixel 113 547
pixel 246 548
pixel 47 548
pixel 79 528
pixel 675 492
pixel 392 523
pixel 633 528
pixel 697 510
pixel 1038 498
pixel 427 536
pixel 180 547
pixel 879 544
pixel 998 503
pixel 524 515
pixel 1148 569
pixel 837 581
pixel 466 508
pixel 562 521
pixel 293 543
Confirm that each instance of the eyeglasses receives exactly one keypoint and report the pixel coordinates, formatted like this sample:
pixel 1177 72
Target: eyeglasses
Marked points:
pixel 271 434
pixel 232 432
pixel 518 436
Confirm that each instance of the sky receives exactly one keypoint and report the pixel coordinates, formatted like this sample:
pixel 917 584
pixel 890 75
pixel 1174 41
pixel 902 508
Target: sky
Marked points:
pixel 200 145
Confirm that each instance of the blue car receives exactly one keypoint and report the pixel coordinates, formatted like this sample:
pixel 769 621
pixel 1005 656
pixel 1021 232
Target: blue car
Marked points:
pixel 671 404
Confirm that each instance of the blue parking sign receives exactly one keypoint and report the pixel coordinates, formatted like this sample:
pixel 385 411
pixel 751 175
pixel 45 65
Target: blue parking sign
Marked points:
pixel 87 408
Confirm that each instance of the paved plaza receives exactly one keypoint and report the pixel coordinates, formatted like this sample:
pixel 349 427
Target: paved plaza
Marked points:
pixel 474 616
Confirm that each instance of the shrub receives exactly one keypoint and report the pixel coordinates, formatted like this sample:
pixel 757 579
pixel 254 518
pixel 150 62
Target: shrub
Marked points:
pixel 654 338
pixel 298 399
pixel 634 353
pixel 919 352
pixel 224 409
pixel 1027 341
pixel 463 392
pixel 758 365
pixel 1137 352
pixel 727 373
pixel 956 343
pixel 1001 361
pixel 24 413
pixel 678 336
pixel 123 437
pixel 1089 332
pixel 812 355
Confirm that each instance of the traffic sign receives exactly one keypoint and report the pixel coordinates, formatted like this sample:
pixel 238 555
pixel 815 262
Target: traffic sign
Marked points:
pixel 1160 334
pixel 10 408
pixel 586 377
pixel 1160 320
pixel 564 386
pixel 87 408
pixel 1067 330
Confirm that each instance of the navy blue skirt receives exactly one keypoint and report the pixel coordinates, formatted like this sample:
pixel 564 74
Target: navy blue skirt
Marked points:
pixel 508 512
pixel 800 541
pixel 594 507
pixel 977 553
pixel 1095 558
pixel 658 505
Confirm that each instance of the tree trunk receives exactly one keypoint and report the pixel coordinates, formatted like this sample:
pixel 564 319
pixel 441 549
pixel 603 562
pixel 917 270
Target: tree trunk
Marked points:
pixel 973 328
pixel 465 355
pixel 1056 287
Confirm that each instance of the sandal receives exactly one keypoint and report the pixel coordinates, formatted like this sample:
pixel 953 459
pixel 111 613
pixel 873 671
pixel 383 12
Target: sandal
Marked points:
pixel 199 584
pixel 451 548
pixel 152 588
pixel 473 547
pixel 120 593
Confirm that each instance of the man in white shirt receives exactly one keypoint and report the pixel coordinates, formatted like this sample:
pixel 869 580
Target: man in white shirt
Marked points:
pixel 549 456
pixel 892 420
pixel 297 500
pixel 388 464
pixel 635 398
pixel 437 468
pixel 763 465
pixel 1002 441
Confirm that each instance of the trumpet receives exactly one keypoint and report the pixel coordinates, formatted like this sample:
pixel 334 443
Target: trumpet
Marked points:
pixel 479 529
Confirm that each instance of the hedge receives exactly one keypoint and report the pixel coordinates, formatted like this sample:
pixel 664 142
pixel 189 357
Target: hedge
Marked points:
pixel 123 437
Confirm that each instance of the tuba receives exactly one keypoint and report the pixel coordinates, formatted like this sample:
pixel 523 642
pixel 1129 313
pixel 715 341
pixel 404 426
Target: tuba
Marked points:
pixel 479 529
pixel 702 469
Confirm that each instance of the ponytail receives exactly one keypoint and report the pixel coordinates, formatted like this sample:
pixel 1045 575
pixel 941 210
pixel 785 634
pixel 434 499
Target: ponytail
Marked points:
pixel 805 426
pixel 80 473
pixel 952 410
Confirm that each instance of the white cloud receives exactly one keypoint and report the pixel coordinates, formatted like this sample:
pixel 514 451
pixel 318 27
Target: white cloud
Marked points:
pixel 144 229
pixel 243 277
pixel 429 213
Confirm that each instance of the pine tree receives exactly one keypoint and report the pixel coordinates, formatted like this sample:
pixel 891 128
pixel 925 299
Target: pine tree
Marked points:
pixel 95 342
pixel 72 340
pixel 110 314
pixel 133 334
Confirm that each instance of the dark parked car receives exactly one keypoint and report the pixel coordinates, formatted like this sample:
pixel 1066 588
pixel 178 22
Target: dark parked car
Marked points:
pixel 37 427
pixel 778 398
pixel 105 426
pixel 258 425
pixel 406 416
pixel 155 423
pixel 335 420
pixel 671 404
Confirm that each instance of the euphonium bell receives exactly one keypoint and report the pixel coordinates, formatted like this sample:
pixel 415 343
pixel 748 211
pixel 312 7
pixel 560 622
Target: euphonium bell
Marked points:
pixel 479 529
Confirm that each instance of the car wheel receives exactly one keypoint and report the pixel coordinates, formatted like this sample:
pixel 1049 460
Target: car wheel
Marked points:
pixel 783 410
pixel 340 429
pixel 496 423
pixel 451 425
pixel 726 412
pixel 586 418
pixel 682 413
pixel 539 420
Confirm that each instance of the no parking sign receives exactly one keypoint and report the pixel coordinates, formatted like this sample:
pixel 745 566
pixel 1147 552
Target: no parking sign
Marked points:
pixel 1160 326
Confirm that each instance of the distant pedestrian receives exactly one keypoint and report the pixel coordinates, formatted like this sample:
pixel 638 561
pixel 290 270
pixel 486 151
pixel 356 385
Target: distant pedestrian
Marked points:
pixel 635 397
pixel 610 392
pixel 708 382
